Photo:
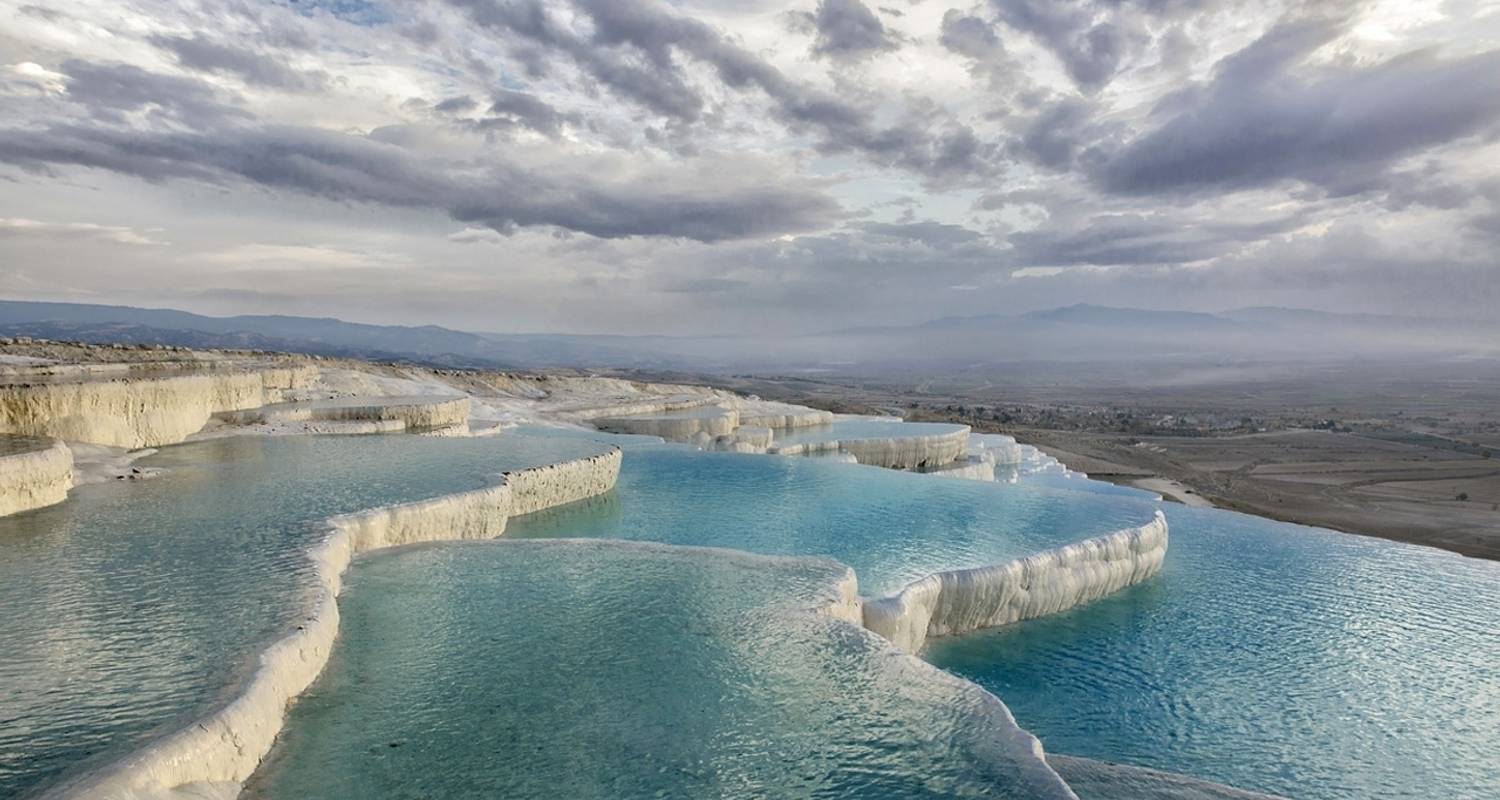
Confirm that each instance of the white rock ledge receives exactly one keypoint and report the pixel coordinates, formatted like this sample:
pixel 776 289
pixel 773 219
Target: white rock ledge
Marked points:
pixel 407 413
pixel 746 422
pixel 961 601
pixel 139 410
pixel 35 477
pixel 216 754
pixel 902 452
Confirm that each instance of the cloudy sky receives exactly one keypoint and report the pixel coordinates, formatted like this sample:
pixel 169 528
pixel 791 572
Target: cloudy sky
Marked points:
pixel 717 166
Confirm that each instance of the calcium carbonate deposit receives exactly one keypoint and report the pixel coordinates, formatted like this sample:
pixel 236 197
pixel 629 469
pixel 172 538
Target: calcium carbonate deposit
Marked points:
pixel 34 473
pixel 697 617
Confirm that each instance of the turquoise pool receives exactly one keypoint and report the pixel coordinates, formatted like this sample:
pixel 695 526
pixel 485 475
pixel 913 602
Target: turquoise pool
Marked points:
pixel 136 607
pixel 589 669
pixel 1266 656
pixel 1272 657
pixel 891 527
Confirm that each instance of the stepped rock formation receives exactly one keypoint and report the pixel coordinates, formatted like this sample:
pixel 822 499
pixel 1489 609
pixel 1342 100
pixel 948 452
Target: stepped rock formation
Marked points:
pixel 897 452
pixel 971 469
pixel 139 409
pixel 731 420
pixel 965 600
pixel 216 754
pixel 410 413
pixel 36 473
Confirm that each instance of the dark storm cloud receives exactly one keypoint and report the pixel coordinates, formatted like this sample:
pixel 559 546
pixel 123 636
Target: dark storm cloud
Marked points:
pixel 847 30
pixel 651 82
pixel 203 54
pixel 1091 46
pixel 110 91
pixel 1058 132
pixel 343 167
pixel 635 48
pixel 1261 120
pixel 529 111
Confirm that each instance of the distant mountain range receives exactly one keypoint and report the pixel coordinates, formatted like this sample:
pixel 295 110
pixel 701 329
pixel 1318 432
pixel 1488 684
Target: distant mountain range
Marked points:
pixel 1077 332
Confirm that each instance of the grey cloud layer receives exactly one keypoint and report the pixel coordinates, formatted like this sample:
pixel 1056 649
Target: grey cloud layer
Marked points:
pixel 1259 121
pixel 634 51
pixel 199 52
pixel 500 195
pixel 1059 135
pixel 847 29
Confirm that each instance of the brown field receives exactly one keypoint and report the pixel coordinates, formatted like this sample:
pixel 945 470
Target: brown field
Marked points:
pixel 1335 480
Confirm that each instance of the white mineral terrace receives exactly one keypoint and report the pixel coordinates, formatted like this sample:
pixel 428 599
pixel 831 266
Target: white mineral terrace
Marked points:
pixel 894 452
pixel 965 600
pixel 737 424
pixel 750 426
pixel 214 755
pixel 140 409
pixel 34 473
pixel 411 413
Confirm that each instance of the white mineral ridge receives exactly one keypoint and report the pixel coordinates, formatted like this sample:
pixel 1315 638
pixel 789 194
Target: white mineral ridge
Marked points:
pixel 35 478
pixel 729 424
pixel 960 601
pixel 139 411
pixel 970 468
pixel 895 452
pixel 415 413
pixel 217 753
pixel 998 448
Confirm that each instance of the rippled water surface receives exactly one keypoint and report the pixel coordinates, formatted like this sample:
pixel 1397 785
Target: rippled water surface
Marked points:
pixel 586 669
pixel 1271 657
pixel 892 527
pixel 136 606
pixel 1265 656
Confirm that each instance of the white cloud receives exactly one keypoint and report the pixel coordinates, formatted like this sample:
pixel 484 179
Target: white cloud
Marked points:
pixel 17 228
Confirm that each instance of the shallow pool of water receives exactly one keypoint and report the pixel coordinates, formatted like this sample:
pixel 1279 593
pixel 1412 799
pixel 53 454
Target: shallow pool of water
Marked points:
pixel 892 527
pixel 136 606
pixel 1270 657
pixel 587 669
